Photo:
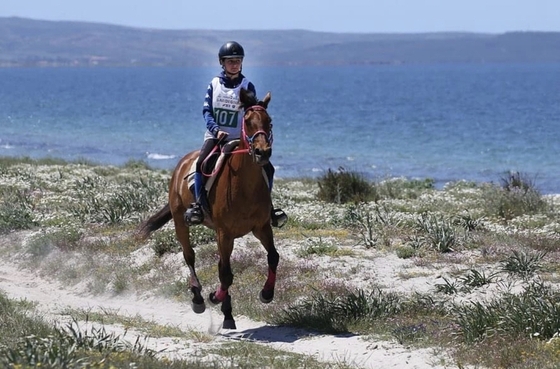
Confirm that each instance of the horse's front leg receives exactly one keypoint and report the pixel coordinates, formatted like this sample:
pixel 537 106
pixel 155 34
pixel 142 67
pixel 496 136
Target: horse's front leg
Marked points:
pixel 221 295
pixel 182 232
pixel 267 239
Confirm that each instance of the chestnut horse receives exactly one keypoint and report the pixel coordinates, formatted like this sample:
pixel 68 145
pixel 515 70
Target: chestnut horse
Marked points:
pixel 238 203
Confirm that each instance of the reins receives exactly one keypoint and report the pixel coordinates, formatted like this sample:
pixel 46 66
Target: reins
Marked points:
pixel 247 139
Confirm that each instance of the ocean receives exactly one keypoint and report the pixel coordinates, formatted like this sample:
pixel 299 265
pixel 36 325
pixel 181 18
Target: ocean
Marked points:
pixel 472 122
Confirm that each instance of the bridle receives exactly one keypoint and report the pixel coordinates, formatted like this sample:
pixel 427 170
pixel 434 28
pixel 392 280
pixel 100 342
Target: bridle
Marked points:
pixel 250 139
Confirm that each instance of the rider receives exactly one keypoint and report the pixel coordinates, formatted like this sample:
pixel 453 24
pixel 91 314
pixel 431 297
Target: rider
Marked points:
pixel 222 100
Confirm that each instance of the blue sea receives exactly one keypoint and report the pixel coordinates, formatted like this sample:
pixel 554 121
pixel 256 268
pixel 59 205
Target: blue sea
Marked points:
pixel 446 122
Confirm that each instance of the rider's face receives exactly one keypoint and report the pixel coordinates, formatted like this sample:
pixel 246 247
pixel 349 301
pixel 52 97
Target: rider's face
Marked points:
pixel 233 65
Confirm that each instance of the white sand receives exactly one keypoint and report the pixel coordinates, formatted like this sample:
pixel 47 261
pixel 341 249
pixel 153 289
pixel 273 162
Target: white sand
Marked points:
pixel 53 299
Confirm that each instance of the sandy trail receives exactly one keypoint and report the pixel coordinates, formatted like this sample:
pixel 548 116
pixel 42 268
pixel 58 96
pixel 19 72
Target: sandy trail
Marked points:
pixel 53 300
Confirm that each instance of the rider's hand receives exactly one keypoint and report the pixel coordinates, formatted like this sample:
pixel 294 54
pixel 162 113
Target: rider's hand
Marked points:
pixel 221 135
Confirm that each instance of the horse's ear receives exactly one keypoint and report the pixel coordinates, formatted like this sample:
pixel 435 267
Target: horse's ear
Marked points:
pixel 264 102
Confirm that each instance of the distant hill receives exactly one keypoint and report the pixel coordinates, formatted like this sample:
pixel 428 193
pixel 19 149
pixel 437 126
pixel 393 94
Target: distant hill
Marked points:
pixel 27 42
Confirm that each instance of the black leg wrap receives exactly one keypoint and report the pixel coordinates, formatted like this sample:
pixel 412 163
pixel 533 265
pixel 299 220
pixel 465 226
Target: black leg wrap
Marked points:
pixel 229 322
pixel 273 258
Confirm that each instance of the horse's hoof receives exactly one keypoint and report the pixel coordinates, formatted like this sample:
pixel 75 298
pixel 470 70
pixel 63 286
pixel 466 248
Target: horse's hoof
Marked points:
pixel 213 299
pixel 198 308
pixel 266 296
pixel 229 324
pixel 278 218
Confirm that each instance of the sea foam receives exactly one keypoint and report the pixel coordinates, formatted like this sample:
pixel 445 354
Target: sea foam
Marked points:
pixel 156 156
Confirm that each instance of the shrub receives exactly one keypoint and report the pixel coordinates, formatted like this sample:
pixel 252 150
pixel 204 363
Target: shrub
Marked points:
pixel 523 264
pixel 16 211
pixel 438 232
pixel 333 313
pixel 344 186
pixel 315 246
pixel 67 348
pixel 533 313
pixel 406 252
pixel 447 287
pixel 515 181
pixel 99 202
pixel 63 239
pixel 164 242
pixel 515 197
pixel 401 188
pixel 136 164
pixel 474 278
pixel 362 219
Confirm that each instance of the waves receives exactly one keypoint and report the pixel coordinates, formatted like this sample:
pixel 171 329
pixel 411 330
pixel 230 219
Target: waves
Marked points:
pixel 441 122
pixel 156 156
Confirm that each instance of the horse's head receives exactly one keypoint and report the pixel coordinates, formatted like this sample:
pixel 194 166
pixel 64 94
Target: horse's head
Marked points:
pixel 257 127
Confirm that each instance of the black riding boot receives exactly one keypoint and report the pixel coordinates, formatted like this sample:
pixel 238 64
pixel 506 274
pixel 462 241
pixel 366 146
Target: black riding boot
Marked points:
pixel 278 217
pixel 194 215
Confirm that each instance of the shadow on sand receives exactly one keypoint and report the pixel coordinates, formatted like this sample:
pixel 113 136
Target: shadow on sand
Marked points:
pixel 269 333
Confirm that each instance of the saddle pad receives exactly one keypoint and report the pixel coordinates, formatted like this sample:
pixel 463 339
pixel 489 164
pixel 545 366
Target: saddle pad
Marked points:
pixel 228 148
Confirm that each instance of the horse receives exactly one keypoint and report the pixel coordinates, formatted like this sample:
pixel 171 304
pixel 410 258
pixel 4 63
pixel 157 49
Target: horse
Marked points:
pixel 238 203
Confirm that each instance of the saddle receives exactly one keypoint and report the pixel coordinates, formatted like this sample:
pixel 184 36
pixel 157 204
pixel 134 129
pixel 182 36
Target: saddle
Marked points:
pixel 211 169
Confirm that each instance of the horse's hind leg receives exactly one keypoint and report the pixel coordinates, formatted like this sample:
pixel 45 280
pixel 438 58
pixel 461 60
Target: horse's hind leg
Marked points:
pixel 221 295
pixel 182 232
pixel 267 239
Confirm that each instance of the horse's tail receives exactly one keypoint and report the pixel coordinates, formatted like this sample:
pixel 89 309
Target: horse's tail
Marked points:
pixel 154 222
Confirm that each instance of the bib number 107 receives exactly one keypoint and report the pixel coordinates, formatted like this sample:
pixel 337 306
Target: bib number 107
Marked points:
pixel 226 118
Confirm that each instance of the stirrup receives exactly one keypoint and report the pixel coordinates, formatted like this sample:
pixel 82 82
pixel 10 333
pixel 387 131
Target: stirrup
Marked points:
pixel 194 214
pixel 278 218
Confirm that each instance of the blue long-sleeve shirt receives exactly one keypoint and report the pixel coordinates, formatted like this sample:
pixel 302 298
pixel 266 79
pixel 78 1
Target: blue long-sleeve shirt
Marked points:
pixel 208 110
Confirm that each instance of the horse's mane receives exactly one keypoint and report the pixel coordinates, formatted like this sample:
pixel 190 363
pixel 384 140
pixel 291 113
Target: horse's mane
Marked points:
pixel 249 99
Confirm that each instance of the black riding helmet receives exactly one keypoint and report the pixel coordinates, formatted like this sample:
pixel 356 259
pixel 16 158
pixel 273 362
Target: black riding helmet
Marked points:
pixel 231 49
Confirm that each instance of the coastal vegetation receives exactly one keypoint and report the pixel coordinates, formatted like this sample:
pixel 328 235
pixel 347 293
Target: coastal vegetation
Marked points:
pixel 469 271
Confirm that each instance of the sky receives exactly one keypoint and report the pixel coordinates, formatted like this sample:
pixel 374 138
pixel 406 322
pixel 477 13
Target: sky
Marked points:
pixel 360 16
